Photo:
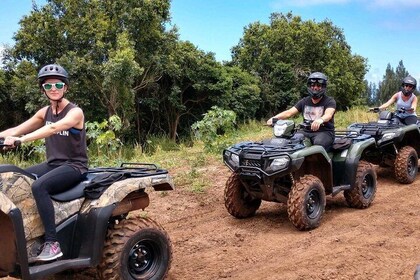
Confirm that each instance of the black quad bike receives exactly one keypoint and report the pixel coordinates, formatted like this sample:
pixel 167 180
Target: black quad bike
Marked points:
pixel 288 169
pixel 95 226
pixel 397 144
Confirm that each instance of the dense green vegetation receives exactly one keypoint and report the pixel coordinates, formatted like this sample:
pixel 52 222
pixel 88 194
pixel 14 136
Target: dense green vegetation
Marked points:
pixel 126 60
pixel 188 160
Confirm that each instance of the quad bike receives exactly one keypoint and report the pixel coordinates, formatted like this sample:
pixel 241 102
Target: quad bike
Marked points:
pixel 95 226
pixel 397 144
pixel 288 169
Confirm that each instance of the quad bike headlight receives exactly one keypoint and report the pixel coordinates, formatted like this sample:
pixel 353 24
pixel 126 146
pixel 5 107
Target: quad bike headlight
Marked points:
pixel 279 163
pixel 231 159
pixel 389 136
pixel 235 159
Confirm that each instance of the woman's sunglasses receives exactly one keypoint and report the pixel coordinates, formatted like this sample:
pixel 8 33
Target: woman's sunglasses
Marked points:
pixel 49 86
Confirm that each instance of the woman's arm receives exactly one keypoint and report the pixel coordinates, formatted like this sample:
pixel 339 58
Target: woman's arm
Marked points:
pixel 74 118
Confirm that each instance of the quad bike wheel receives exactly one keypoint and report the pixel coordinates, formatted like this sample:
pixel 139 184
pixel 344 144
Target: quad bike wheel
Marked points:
pixel 364 190
pixel 406 165
pixel 136 248
pixel 238 201
pixel 306 203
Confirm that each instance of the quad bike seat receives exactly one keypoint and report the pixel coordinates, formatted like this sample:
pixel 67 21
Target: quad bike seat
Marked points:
pixel 76 192
pixel 97 180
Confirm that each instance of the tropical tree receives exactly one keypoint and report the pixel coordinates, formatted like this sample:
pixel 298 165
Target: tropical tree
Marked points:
pixel 113 50
pixel 283 53
pixel 191 82
pixel 391 82
pixel 243 96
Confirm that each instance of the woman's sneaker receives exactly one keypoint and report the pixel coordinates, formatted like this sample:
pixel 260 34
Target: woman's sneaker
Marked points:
pixel 50 251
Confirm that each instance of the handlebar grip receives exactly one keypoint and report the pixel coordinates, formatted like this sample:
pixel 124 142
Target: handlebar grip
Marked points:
pixel 374 109
pixel 274 121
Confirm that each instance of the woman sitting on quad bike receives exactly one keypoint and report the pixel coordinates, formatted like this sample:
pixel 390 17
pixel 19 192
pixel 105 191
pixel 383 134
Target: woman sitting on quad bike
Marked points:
pixel 62 125
pixel 406 102
pixel 317 109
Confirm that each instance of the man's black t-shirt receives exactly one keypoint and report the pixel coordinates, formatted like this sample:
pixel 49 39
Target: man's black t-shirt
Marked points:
pixel 312 111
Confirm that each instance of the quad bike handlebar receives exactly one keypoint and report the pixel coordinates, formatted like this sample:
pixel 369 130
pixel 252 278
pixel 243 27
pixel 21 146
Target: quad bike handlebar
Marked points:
pixel 305 124
pixel 400 110
pixel 374 109
pixel 17 143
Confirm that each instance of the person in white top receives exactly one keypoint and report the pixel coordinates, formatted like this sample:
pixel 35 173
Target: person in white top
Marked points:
pixel 406 101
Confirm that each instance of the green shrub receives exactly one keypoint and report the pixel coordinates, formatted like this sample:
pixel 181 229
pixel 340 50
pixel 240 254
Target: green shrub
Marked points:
pixel 214 128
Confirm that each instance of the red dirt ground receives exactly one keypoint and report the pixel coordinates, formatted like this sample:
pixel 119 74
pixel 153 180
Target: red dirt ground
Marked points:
pixel 380 242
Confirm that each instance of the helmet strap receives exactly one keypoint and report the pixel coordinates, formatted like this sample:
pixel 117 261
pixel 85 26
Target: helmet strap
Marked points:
pixel 406 92
pixel 57 102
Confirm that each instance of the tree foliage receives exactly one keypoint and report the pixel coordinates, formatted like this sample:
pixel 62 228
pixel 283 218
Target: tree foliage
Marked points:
pixel 243 94
pixel 283 53
pixel 191 82
pixel 111 49
pixel 391 82
pixel 125 60
pixel 213 128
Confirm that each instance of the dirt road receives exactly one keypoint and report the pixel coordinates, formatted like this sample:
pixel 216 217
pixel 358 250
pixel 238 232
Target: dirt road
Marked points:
pixel 381 242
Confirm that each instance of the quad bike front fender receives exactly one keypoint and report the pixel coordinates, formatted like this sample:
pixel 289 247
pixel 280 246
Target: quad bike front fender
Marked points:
pixel 317 162
pixel 315 149
pixel 13 244
pixel 7 236
pixel 353 155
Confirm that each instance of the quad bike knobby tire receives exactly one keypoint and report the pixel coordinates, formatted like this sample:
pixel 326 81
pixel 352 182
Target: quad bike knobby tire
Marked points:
pixel 306 203
pixel 136 248
pixel 364 190
pixel 238 201
pixel 406 165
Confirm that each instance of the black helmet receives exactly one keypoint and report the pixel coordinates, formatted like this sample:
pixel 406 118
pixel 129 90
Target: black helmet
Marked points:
pixel 53 71
pixel 408 81
pixel 320 78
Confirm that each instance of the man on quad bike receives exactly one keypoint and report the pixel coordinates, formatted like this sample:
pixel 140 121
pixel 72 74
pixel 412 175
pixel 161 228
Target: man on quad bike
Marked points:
pixel 317 109
pixel 62 125
pixel 405 100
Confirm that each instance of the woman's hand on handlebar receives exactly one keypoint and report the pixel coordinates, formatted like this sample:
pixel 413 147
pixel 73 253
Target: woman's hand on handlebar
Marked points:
pixel 10 142
pixel 374 109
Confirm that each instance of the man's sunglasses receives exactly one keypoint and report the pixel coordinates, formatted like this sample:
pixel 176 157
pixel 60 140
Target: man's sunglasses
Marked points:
pixel 408 85
pixel 316 84
pixel 49 86
pixel 318 81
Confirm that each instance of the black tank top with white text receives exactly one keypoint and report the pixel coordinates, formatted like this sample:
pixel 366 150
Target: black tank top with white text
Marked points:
pixel 67 146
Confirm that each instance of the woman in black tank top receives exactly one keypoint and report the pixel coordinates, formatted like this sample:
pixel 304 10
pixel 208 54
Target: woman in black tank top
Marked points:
pixel 62 126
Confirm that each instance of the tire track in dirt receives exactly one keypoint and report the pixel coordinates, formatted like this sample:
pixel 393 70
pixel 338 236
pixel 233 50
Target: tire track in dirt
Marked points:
pixel 380 242
pixel 373 243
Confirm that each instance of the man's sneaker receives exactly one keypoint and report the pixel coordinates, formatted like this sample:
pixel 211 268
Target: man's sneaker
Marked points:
pixel 50 251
